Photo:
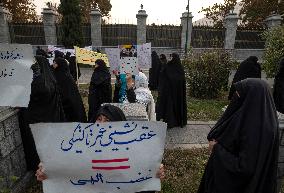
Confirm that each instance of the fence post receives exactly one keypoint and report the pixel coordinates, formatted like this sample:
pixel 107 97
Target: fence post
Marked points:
pixel 231 25
pixel 184 32
pixel 96 27
pixel 49 17
pixel 4 26
pixel 141 27
pixel 273 20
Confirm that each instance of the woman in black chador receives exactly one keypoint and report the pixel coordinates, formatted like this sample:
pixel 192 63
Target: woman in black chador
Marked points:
pixel 278 93
pixel 249 68
pixel 71 99
pixel 154 71
pixel 244 143
pixel 100 88
pixel 44 107
pixel 171 103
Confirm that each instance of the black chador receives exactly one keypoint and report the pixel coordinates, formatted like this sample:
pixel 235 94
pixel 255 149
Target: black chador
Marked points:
pixel 249 68
pixel 278 93
pixel 244 159
pixel 100 88
pixel 71 99
pixel 171 103
pixel 44 107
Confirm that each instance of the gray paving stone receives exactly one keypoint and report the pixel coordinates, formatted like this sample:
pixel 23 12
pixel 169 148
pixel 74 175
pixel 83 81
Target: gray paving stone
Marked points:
pixel 17 137
pixel 2 133
pixel 191 134
pixel 6 146
pixel 10 125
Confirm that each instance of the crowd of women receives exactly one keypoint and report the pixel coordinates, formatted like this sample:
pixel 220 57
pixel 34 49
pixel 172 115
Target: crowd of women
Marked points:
pixel 244 143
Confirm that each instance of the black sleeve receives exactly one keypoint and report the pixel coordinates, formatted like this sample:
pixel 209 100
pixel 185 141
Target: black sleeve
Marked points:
pixel 131 96
pixel 116 94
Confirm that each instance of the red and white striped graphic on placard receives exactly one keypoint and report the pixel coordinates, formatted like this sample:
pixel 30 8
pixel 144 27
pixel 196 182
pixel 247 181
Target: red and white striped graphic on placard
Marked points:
pixel 103 164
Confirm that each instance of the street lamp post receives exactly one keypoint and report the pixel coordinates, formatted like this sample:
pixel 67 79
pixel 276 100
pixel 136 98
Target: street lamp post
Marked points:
pixel 187 19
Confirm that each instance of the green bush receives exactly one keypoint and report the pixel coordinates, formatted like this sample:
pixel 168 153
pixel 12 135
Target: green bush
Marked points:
pixel 274 50
pixel 207 74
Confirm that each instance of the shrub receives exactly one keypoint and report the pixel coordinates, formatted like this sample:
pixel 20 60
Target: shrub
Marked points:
pixel 207 74
pixel 274 50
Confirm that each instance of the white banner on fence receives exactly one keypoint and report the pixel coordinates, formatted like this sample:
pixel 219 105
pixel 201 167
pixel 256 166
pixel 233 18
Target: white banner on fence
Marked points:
pixel 114 157
pixel 128 65
pixel 144 56
pixel 15 74
pixel 113 55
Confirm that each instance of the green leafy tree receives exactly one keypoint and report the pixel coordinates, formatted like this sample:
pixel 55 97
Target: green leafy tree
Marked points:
pixel 274 50
pixel 207 73
pixel 86 5
pixel 253 12
pixel 71 23
pixel 21 10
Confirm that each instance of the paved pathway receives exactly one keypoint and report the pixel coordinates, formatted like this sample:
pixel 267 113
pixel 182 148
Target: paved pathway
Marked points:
pixel 194 135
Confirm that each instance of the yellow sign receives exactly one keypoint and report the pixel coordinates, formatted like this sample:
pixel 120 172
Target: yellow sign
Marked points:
pixel 84 56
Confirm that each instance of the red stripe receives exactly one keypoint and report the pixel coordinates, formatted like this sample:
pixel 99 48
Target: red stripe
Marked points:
pixel 111 168
pixel 110 160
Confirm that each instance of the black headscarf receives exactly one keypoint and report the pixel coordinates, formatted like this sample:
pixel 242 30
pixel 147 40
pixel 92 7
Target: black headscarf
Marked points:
pixel 71 99
pixel 100 90
pixel 58 54
pixel 249 68
pixel 278 93
pixel 113 113
pixel 41 52
pixel 67 56
pixel 171 103
pixel 244 160
pixel 154 71
pixel 44 107
pixel 163 59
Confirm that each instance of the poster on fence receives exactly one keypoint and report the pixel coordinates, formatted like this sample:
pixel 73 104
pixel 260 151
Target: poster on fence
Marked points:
pixel 128 51
pixel 15 74
pixel 128 65
pixel 84 56
pixel 113 58
pixel 144 56
pixel 113 157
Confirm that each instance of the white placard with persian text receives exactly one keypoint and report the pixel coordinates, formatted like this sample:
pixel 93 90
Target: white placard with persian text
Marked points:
pixel 15 74
pixel 113 157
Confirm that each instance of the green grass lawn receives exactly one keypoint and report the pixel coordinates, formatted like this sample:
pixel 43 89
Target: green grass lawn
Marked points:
pixel 205 110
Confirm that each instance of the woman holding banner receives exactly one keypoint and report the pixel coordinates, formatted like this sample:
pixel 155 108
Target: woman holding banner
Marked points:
pixel 107 113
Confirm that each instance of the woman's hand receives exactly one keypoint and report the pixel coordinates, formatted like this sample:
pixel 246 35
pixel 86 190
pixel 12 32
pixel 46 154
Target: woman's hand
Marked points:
pixel 211 144
pixel 40 175
pixel 129 81
pixel 161 173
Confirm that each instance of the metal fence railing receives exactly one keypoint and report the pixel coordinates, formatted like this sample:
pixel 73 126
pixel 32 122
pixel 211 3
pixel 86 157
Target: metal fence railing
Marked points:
pixel 27 33
pixel 249 39
pixel 119 34
pixel 207 37
pixel 164 35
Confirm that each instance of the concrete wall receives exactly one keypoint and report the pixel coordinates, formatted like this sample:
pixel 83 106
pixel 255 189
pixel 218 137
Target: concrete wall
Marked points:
pixel 12 158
